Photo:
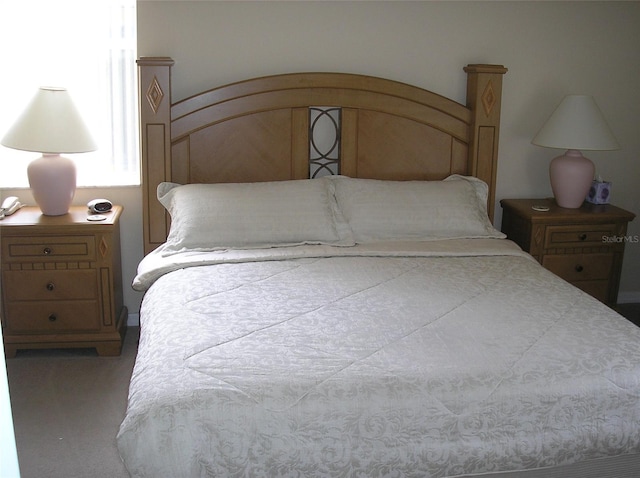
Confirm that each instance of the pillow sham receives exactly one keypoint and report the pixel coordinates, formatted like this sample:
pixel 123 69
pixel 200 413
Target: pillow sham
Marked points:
pixel 209 217
pixel 379 210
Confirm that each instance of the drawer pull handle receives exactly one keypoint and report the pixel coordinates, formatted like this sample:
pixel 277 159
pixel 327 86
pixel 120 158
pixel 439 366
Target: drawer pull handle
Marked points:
pixel 579 268
pixel 582 236
pixel 53 318
pixel 47 251
pixel 51 286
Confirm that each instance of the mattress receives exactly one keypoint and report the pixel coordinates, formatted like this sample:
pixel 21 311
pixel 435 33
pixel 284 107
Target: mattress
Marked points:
pixel 432 359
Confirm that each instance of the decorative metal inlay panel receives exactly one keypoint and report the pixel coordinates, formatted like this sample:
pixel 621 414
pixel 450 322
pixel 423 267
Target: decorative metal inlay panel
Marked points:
pixel 324 141
pixel 155 95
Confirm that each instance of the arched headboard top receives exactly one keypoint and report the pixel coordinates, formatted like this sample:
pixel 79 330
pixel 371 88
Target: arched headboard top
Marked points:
pixel 316 81
pixel 300 90
pixel 260 130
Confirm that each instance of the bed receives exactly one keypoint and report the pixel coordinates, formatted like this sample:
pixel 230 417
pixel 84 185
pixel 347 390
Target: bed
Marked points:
pixel 326 295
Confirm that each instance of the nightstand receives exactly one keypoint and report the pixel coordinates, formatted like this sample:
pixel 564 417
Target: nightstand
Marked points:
pixel 62 281
pixel 583 246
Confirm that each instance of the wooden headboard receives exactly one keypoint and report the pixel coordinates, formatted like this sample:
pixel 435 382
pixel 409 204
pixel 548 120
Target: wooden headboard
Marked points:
pixel 258 130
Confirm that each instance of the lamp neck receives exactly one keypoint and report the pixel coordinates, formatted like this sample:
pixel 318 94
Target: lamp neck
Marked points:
pixel 574 153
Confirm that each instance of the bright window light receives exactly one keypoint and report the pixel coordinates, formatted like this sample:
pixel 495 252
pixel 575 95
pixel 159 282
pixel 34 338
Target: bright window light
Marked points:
pixel 89 48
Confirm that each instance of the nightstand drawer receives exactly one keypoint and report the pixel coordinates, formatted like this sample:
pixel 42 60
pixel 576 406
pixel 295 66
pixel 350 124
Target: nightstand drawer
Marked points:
pixel 53 317
pixel 579 267
pixel 17 249
pixel 577 236
pixel 51 285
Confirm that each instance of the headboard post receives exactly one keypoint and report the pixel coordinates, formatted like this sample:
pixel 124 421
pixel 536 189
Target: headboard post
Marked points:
pixel 155 143
pixel 484 96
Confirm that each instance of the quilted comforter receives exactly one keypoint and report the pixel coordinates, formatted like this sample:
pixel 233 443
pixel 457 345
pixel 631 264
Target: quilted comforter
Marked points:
pixel 428 360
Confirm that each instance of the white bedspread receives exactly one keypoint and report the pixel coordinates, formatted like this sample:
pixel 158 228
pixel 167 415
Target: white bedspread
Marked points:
pixel 423 360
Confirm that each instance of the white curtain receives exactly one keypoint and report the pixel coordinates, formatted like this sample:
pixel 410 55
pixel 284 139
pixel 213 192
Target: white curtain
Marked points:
pixel 88 47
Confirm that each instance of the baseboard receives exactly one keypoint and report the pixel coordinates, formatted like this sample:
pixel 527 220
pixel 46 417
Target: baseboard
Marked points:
pixel 629 297
pixel 133 320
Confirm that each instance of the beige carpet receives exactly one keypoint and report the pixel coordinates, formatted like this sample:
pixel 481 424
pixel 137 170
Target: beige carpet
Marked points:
pixel 67 407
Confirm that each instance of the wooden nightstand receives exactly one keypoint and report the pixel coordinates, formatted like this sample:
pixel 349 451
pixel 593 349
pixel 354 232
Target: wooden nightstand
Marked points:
pixel 62 281
pixel 583 246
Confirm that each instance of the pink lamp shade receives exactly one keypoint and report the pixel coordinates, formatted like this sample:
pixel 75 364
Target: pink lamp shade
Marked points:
pixel 576 124
pixel 51 125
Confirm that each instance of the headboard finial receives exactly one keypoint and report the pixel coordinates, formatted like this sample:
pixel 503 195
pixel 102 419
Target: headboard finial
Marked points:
pixel 155 60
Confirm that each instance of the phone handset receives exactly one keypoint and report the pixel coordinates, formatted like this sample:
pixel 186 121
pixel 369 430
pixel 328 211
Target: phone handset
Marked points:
pixel 9 206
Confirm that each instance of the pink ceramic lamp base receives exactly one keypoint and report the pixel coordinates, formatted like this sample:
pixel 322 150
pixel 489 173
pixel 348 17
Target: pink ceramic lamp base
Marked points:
pixel 53 183
pixel 571 177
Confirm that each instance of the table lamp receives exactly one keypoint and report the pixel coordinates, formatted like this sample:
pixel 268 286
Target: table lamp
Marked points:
pixel 51 125
pixel 576 124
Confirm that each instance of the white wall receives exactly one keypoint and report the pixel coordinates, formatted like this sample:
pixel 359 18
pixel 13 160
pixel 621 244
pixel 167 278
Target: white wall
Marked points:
pixel 550 48
pixel 9 467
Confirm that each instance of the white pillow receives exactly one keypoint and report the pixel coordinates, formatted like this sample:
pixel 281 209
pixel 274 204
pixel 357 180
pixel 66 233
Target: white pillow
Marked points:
pixel 209 217
pixel 380 210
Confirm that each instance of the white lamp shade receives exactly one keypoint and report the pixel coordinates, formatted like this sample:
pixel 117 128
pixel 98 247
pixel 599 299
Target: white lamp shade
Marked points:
pixel 577 123
pixel 50 124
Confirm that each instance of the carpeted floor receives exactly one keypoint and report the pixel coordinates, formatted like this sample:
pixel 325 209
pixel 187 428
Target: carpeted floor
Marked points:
pixel 630 311
pixel 67 408
pixel 68 405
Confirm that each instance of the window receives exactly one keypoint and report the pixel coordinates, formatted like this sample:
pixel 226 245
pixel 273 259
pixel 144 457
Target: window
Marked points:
pixel 88 47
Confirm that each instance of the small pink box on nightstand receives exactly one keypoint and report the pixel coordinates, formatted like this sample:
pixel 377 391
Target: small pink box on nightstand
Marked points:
pixel 599 193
